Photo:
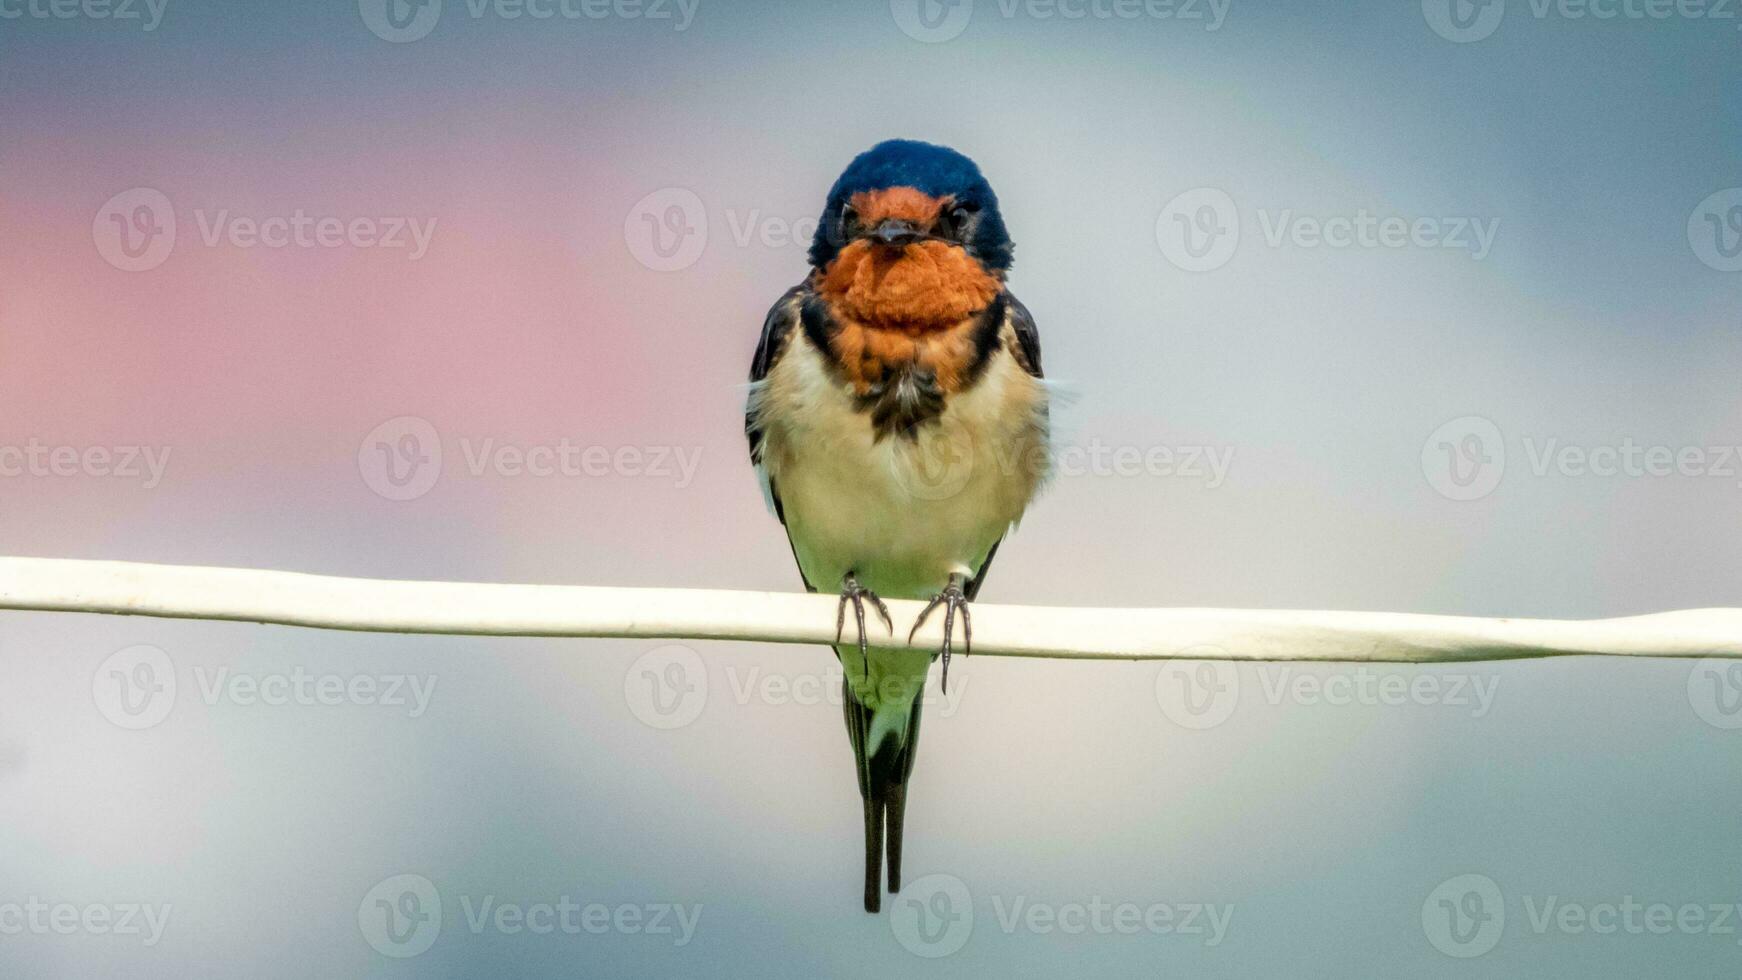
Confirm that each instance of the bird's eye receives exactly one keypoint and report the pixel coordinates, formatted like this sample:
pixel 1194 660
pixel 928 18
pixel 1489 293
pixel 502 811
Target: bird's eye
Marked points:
pixel 849 221
pixel 956 220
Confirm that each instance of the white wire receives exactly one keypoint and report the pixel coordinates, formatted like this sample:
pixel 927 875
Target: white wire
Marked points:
pixel 387 606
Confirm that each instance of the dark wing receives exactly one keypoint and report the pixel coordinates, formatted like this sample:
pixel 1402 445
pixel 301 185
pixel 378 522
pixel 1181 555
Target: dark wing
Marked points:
pixel 1027 336
pixel 778 332
pixel 1027 353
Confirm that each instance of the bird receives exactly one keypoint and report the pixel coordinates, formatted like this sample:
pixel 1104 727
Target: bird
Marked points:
pixel 898 420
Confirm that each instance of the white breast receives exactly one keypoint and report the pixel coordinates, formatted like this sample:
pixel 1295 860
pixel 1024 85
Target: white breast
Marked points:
pixel 901 513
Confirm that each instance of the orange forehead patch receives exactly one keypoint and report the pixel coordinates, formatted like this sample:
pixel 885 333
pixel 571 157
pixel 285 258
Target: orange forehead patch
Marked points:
pixel 898 203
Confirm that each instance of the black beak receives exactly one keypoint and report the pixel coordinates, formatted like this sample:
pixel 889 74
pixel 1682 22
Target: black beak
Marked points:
pixel 896 233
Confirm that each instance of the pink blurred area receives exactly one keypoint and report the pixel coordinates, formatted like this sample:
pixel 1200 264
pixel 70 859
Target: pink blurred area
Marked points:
pixel 261 369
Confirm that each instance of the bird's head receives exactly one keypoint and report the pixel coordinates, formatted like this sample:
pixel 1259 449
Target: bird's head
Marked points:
pixel 911 233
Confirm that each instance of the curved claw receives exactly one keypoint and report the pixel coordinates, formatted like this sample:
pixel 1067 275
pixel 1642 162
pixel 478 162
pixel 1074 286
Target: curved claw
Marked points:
pixel 852 591
pixel 953 599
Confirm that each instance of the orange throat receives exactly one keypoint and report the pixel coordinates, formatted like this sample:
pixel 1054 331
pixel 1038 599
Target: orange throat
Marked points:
pixel 915 309
pixel 924 287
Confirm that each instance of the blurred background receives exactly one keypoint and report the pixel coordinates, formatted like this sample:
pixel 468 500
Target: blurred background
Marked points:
pixel 1386 306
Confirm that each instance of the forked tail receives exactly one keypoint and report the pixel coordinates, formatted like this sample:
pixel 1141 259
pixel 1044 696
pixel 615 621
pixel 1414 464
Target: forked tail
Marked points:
pixel 883 788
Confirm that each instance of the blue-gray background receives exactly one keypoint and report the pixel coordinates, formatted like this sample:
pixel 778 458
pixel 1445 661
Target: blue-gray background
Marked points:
pixel 1324 373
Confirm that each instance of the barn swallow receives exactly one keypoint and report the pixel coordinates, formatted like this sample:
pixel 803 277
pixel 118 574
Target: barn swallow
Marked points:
pixel 902 352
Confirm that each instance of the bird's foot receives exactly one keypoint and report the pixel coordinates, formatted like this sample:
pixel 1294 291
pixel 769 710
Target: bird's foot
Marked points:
pixel 853 592
pixel 953 599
